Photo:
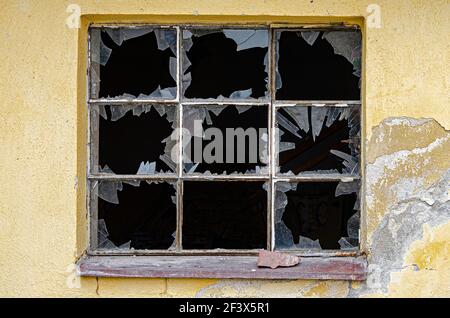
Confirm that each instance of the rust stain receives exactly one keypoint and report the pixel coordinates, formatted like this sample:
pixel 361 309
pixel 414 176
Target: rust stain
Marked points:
pixel 276 259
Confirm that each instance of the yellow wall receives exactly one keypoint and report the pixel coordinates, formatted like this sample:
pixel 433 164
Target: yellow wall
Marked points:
pixel 42 138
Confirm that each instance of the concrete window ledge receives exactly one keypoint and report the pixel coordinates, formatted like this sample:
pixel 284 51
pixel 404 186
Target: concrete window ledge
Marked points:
pixel 336 268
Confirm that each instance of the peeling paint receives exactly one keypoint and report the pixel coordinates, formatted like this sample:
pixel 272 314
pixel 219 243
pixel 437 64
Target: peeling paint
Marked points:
pixel 392 135
pixel 275 289
pixel 432 252
pixel 403 225
pixel 187 287
pixel 407 186
pixel 430 275
pixel 405 173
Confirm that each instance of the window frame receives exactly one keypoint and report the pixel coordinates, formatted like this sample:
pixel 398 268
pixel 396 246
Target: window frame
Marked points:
pixel 178 176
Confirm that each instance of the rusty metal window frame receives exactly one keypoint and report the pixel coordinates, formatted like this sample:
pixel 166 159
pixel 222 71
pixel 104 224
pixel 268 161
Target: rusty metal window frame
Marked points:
pixel 178 177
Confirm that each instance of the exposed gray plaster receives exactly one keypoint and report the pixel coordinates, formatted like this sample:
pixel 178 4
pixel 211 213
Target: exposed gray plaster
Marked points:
pixel 404 224
pixel 383 164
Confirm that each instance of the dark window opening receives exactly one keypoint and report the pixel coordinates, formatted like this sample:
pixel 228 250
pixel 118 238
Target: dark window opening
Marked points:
pixel 230 215
pixel 218 66
pixel 314 217
pixel 136 65
pixel 318 139
pixel 143 215
pixel 314 72
pixel 254 119
pixel 130 142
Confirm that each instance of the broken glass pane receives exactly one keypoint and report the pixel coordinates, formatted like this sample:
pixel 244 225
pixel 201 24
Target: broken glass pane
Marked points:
pixel 224 214
pixel 225 139
pixel 316 215
pixel 229 63
pixel 313 65
pixel 317 139
pixel 135 215
pixel 134 139
pixel 138 62
pixel 351 241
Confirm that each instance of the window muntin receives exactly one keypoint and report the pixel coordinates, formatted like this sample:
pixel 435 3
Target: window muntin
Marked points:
pixel 167 105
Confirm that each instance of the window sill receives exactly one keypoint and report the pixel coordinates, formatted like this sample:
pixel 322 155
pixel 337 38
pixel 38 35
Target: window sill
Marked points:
pixel 336 268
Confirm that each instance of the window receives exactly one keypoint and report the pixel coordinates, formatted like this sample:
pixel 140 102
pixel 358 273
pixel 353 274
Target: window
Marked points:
pixel 225 140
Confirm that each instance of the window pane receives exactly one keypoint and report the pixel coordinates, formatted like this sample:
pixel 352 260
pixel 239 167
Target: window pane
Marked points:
pixel 138 215
pixel 316 65
pixel 225 139
pixel 227 214
pixel 317 215
pixel 318 139
pixel 133 63
pixel 228 63
pixel 135 139
pixel 225 66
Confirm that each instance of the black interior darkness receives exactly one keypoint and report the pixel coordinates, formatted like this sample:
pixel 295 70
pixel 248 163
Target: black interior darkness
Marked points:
pixel 219 69
pixel 314 72
pixel 315 212
pixel 224 214
pixel 310 155
pixel 135 67
pixel 125 143
pixel 254 118
pixel 145 215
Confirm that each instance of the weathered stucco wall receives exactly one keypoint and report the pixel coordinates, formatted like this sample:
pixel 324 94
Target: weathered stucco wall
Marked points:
pixel 407 162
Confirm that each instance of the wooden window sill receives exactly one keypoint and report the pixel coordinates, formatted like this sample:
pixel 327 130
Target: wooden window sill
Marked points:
pixel 336 268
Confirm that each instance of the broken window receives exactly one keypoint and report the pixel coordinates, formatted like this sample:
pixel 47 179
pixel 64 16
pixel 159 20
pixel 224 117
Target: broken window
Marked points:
pixel 226 139
pixel 135 214
pixel 227 215
pixel 317 215
pixel 133 139
pixel 318 65
pixel 318 139
pixel 225 63
pixel 130 63
pixel 211 139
